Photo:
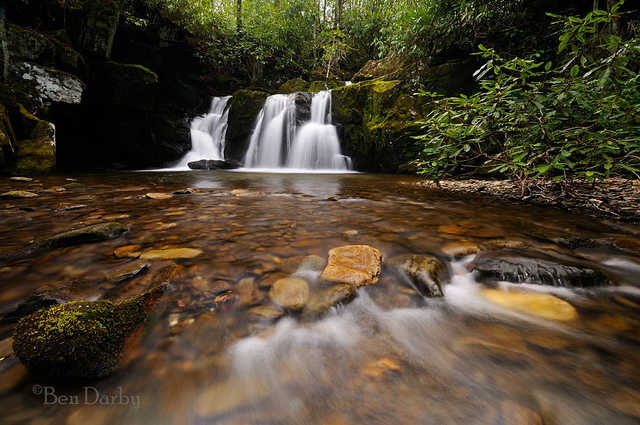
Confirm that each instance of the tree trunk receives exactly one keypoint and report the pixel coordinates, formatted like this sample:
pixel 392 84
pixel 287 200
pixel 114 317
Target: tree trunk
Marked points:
pixel 339 7
pixel 3 41
pixel 239 15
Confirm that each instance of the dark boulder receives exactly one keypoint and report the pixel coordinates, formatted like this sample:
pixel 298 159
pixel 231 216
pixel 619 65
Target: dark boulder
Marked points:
pixel 515 268
pixel 214 164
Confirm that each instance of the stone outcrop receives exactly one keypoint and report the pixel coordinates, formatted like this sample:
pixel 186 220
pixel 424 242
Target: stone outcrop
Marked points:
pixel 245 107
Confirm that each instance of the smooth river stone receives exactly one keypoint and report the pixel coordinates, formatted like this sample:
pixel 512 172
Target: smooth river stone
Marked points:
pixel 546 306
pixel 128 271
pixel 424 272
pixel 291 293
pixel 357 265
pixel 171 254
pixel 17 194
pixel 159 195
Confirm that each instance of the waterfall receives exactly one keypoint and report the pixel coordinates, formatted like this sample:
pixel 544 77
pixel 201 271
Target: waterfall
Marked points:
pixel 278 143
pixel 208 134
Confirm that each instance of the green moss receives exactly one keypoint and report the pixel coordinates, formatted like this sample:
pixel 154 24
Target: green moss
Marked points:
pixel 80 338
pixel 132 73
pixel 293 86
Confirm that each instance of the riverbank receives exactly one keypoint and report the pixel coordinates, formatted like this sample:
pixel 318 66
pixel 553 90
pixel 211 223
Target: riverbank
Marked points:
pixel 613 199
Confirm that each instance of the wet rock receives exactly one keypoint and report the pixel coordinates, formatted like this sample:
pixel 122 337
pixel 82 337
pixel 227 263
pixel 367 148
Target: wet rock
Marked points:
pixel 73 289
pixel 128 271
pixel 425 273
pixel 214 164
pixel 21 179
pixel 95 233
pixel 80 338
pixel 248 292
pixel 330 297
pixel 357 265
pixel 18 194
pixel 546 306
pixel 460 249
pixel 171 254
pixel 159 195
pixel 290 293
pixel 261 313
pixel 628 245
pixel 381 369
pixel 128 251
pixel 544 271
pixel 510 412
pixel 75 186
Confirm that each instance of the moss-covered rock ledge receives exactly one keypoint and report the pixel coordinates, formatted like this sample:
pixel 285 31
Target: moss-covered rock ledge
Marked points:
pixel 80 338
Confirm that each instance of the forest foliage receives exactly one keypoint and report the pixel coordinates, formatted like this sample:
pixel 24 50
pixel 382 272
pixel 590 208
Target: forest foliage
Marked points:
pixel 576 115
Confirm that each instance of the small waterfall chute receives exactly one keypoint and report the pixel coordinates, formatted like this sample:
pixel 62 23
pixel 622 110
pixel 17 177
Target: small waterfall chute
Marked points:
pixel 207 134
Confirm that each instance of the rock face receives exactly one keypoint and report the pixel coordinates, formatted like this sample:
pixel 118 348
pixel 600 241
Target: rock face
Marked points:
pixel 130 90
pixel 245 107
pixel 515 269
pixel 425 273
pixel 290 293
pixel 49 84
pixel 357 265
pixel 80 338
pixel 376 122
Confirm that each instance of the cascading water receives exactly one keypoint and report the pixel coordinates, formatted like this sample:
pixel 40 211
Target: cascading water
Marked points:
pixel 208 134
pixel 278 143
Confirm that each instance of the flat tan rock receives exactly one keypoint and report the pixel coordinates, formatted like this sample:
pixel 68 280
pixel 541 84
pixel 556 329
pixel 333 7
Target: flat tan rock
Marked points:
pixel 171 254
pixel 159 195
pixel 357 265
pixel 546 306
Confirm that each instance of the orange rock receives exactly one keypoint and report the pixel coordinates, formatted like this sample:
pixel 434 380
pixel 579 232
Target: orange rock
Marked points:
pixel 357 265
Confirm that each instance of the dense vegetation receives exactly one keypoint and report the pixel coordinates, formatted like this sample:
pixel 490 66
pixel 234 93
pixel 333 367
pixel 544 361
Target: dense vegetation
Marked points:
pixel 577 115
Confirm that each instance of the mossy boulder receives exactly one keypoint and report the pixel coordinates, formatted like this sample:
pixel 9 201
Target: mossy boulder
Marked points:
pixel 7 140
pixel 80 338
pixel 47 83
pixel 37 154
pixel 30 46
pixel 377 121
pixel 245 107
pixel 293 86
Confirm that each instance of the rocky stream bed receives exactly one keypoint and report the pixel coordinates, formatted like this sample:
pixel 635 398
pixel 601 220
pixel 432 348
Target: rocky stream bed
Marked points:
pixel 323 299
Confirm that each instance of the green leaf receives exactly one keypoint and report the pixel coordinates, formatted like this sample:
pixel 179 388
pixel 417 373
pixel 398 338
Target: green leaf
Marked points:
pixel 574 71
pixel 547 66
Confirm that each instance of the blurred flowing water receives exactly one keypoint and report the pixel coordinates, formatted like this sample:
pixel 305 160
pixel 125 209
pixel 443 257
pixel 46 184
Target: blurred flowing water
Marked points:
pixel 209 355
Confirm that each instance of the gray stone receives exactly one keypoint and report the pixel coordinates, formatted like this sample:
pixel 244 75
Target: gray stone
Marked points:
pixel 27 45
pixel 49 84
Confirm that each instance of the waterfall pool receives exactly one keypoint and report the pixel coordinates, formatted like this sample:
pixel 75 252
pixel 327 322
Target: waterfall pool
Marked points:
pixel 213 352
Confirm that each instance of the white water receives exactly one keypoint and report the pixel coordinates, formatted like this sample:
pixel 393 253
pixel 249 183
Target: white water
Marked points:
pixel 278 143
pixel 207 134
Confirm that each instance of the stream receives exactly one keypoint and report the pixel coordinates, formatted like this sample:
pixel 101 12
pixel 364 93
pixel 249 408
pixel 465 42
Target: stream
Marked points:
pixel 215 352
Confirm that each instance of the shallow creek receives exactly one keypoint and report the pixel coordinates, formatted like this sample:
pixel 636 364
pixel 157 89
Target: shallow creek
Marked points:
pixel 212 351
